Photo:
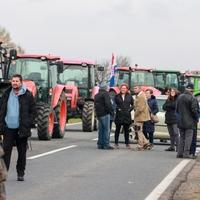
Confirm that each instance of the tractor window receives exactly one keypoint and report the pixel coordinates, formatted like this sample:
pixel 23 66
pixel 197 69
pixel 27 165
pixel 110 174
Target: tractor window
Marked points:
pixel 122 77
pixel 159 80
pixel 53 78
pixel 142 78
pixel 172 80
pixel 75 75
pixel 30 69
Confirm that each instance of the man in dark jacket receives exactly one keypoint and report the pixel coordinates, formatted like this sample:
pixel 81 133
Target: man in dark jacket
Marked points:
pixel 187 114
pixel 104 110
pixel 17 109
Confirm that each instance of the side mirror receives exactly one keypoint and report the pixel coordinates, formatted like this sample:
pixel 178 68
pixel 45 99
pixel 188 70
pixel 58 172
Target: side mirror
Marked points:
pixel 60 66
pixel 13 54
pixel 100 68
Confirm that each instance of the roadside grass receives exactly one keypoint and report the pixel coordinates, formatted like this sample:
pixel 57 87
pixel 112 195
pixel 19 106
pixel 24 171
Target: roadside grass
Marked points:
pixel 74 120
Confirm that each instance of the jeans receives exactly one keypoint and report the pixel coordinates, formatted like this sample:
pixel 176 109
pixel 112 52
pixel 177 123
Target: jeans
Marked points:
pixel 11 136
pixel 174 134
pixel 126 133
pixel 185 142
pixel 194 142
pixel 104 131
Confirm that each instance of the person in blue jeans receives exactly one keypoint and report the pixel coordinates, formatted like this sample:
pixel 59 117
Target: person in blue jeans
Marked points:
pixel 104 111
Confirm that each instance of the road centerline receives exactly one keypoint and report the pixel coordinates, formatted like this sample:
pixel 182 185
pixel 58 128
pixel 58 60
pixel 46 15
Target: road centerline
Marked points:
pixel 95 139
pixel 51 152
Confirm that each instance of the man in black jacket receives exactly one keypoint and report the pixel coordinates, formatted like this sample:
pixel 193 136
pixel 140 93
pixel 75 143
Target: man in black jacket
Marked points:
pixel 187 114
pixel 104 110
pixel 17 109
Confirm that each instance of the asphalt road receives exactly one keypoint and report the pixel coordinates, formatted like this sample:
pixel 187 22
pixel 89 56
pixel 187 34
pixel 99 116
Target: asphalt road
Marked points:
pixel 82 172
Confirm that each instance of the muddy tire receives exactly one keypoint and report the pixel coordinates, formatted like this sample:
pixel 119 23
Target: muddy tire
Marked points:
pixel 88 117
pixel 45 122
pixel 60 117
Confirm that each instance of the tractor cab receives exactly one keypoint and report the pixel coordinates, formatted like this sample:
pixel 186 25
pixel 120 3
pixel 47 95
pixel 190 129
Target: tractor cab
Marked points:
pixel 135 76
pixel 166 78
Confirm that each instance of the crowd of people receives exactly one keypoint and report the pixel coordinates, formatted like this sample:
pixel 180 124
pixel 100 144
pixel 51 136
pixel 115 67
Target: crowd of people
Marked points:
pixel 182 115
pixel 139 111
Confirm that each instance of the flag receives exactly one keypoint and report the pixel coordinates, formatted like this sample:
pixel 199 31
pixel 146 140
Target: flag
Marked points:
pixel 113 67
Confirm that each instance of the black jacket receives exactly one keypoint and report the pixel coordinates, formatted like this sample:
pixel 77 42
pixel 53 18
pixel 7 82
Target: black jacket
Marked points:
pixel 102 104
pixel 187 111
pixel 123 109
pixel 26 112
pixel 170 115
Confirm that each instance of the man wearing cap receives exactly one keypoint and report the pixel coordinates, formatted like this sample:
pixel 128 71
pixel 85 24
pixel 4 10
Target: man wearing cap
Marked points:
pixel 187 114
pixel 104 110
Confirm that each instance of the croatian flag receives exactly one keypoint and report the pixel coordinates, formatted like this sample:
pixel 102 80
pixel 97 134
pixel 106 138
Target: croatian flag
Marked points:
pixel 113 67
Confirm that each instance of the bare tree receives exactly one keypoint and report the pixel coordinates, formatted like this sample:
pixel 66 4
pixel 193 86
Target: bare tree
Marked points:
pixel 103 76
pixel 123 61
pixel 7 41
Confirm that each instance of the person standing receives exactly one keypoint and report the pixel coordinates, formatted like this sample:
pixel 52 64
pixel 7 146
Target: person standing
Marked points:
pixel 187 114
pixel 104 110
pixel 17 110
pixel 141 115
pixel 149 126
pixel 124 106
pixel 194 138
pixel 171 119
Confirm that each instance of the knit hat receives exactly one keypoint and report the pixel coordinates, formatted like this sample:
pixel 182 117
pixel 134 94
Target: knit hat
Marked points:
pixel 103 86
pixel 190 86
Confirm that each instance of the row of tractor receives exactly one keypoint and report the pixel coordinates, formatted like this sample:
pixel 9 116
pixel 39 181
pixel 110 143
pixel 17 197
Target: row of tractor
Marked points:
pixel 66 88
pixel 61 88
pixel 157 80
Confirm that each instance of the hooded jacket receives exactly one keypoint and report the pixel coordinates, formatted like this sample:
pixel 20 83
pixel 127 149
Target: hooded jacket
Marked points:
pixel 26 112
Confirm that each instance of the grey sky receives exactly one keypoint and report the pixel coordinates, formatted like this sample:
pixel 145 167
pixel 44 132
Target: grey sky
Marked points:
pixel 160 33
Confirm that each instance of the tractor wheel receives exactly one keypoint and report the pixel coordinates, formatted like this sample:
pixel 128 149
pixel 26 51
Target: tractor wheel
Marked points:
pixel 45 122
pixel 60 117
pixel 88 117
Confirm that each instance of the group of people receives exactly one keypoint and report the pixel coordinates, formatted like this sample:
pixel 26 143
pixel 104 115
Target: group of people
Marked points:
pixel 181 117
pixel 120 109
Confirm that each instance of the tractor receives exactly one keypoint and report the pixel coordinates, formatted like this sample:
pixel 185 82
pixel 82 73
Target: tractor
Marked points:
pixel 79 79
pixel 40 75
pixel 134 76
pixel 167 79
pixel 194 78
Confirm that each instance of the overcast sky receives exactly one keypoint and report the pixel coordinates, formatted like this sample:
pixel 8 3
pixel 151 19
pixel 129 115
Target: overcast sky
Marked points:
pixel 160 33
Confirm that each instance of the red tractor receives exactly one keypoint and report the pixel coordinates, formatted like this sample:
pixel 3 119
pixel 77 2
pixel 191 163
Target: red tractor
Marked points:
pixel 79 79
pixel 134 76
pixel 40 75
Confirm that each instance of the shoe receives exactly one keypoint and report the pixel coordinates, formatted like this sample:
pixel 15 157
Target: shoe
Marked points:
pixel 108 148
pixel 20 178
pixel 170 149
pixel 179 156
pixel 116 146
pixel 189 156
pixel 128 146
pixel 100 147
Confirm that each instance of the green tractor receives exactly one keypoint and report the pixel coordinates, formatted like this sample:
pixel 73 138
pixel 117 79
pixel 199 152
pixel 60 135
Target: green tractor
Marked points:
pixel 40 75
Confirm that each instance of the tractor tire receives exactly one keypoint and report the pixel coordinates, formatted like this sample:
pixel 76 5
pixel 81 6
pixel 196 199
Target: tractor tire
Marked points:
pixel 88 117
pixel 45 122
pixel 60 117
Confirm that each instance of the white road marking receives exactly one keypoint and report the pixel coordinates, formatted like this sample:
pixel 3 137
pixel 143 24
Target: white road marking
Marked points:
pixel 160 188
pixel 51 152
pixel 95 139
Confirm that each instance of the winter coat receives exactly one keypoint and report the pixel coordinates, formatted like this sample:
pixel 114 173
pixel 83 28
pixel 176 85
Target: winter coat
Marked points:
pixel 187 111
pixel 123 109
pixel 149 126
pixel 102 104
pixel 26 112
pixel 170 115
pixel 141 108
